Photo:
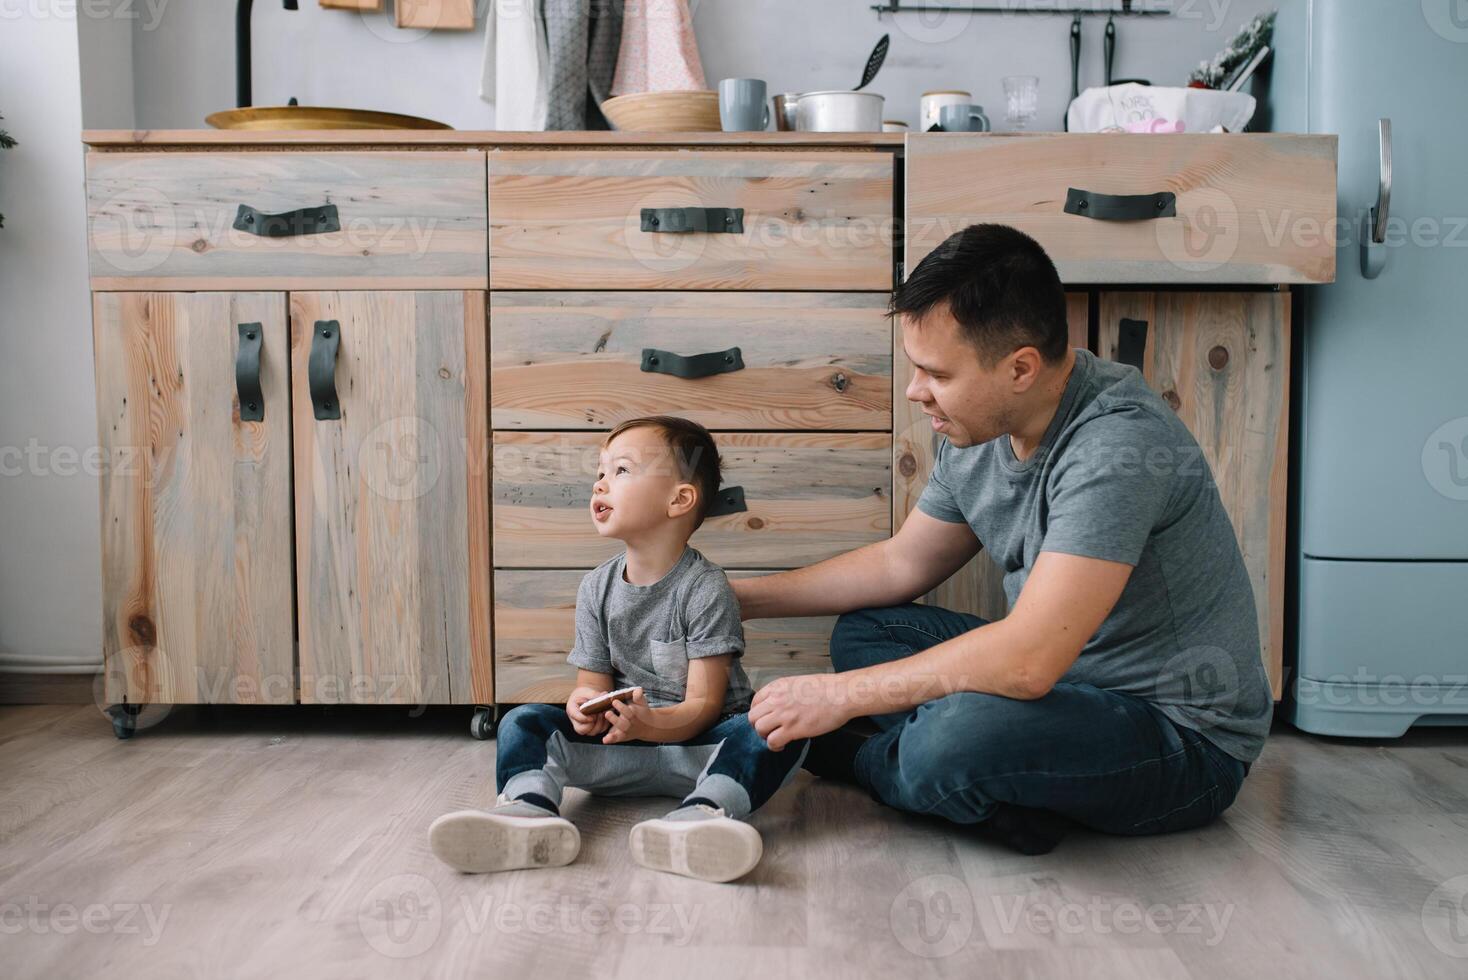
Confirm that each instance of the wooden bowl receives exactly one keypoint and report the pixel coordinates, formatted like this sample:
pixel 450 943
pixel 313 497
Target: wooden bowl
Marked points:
pixel 664 112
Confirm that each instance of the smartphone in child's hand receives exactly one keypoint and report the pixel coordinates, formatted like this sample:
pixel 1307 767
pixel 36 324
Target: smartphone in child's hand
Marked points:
pixel 603 702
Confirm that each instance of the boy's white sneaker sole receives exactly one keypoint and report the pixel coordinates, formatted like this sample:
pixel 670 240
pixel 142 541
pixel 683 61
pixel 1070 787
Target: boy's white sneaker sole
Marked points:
pixel 718 849
pixel 477 841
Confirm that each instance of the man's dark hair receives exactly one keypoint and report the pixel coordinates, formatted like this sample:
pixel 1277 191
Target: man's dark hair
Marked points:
pixel 999 285
pixel 692 447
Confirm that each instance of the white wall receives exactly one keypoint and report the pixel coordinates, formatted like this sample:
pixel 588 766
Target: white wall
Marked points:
pixel 184 56
pixel 168 63
pixel 50 575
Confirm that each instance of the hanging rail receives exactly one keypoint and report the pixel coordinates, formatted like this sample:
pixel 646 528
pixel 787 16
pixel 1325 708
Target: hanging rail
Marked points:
pixel 1132 8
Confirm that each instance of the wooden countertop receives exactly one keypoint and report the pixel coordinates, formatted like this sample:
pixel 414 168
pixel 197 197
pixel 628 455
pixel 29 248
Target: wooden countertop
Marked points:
pixel 123 139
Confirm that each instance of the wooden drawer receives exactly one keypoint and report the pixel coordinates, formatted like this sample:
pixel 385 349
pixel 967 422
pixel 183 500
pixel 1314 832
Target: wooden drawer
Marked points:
pixel 1250 208
pixel 574 220
pixel 809 496
pixel 535 625
pixel 575 360
pixel 403 220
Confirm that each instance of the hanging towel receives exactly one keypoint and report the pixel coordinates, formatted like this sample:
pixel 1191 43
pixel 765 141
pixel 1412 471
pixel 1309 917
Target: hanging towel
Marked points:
pixel 659 53
pixel 514 76
pixel 582 38
pixel 601 59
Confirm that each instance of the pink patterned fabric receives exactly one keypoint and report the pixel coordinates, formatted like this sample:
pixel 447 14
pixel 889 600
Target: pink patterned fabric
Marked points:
pixel 659 53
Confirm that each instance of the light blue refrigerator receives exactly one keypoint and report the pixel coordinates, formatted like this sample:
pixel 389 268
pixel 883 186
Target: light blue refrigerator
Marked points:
pixel 1381 492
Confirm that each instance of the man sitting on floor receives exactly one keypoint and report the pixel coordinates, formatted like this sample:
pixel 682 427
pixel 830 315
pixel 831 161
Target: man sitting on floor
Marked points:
pixel 1124 690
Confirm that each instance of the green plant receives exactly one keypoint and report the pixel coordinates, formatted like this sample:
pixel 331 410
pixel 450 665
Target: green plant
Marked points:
pixel 6 142
pixel 1240 48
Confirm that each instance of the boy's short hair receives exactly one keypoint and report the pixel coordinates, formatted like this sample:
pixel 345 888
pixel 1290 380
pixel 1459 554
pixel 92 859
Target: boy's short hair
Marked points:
pixel 694 449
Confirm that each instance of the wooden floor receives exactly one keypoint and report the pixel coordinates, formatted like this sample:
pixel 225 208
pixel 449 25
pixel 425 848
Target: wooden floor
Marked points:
pixel 291 842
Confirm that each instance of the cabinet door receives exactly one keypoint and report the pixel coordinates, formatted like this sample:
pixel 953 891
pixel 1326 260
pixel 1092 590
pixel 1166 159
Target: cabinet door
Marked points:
pixel 978 587
pixel 196 531
pixel 1221 360
pixel 392 497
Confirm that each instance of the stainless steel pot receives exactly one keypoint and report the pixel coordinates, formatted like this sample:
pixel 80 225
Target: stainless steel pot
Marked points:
pixel 785 110
pixel 839 112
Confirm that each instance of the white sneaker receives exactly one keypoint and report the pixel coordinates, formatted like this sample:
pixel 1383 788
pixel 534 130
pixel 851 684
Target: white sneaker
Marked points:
pixel 513 834
pixel 697 841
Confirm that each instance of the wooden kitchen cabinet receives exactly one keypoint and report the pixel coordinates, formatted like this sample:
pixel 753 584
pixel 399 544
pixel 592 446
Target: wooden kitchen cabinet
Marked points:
pixel 196 527
pixel 390 574
pixel 1221 360
pixel 392 520
pixel 496 301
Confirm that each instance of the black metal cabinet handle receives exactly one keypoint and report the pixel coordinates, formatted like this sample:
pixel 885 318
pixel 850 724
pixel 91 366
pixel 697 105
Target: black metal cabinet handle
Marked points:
pixel 1120 207
pixel 287 224
pixel 321 369
pixel 729 500
pixel 682 221
pixel 1131 342
pixel 693 365
pixel 247 373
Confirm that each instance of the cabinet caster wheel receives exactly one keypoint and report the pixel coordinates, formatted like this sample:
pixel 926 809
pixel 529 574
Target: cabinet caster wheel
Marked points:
pixel 481 725
pixel 124 719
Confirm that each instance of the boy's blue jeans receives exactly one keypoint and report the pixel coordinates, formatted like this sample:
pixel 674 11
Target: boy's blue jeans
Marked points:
pixel 1109 761
pixel 539 752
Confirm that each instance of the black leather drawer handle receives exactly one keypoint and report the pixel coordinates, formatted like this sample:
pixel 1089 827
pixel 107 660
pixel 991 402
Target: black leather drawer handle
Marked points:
pixel 321 370
pixel 682 221
pixel 247 373
pixel 729 500
pixel 656 361
pixel 1131 342
pixel 287 224
pixel 1120 207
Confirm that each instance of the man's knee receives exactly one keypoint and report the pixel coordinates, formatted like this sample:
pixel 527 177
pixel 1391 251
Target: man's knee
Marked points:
pixel 967 734
pixel 853 632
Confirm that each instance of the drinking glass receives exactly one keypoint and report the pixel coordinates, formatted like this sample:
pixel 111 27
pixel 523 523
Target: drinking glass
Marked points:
pixel 1021 99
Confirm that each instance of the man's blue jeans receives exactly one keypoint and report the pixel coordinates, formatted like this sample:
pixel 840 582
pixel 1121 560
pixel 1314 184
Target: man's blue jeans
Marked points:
pixel 1107 760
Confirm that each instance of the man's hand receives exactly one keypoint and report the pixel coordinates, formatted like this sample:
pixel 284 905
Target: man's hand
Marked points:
pixel 792 708
pixel 581 723
pixel 630 721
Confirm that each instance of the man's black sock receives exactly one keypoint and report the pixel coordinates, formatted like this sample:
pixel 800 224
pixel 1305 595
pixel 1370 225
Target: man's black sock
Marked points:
pixel 1024 829
pixel 833 755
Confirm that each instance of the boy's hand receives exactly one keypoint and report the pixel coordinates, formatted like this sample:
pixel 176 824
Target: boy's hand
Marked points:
pixel 581 723
pixel 630 721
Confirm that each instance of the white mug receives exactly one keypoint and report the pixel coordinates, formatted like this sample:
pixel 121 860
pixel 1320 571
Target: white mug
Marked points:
pixel 933 103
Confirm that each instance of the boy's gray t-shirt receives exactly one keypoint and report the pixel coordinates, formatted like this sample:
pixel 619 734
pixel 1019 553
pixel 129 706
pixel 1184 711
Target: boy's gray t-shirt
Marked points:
pixel 644 635
pixel 1118 476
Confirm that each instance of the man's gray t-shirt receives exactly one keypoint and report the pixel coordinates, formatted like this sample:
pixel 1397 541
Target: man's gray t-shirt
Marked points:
pixel 644 635
pixel 1118 476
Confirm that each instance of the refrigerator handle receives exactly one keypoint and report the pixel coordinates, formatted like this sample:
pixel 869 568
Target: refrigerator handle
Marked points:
pixel 1373 226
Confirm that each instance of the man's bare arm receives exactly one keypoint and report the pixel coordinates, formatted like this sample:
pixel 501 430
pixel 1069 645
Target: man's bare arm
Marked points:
pixel 923 553
pixel 1064 602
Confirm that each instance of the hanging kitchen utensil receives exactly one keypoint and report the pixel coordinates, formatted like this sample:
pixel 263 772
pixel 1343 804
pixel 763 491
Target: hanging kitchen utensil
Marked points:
pixel 1075 64
pixel 1110 46
pixel 874 62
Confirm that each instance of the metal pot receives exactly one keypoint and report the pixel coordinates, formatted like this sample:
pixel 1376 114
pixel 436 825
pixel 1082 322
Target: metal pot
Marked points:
pixel 785 110
pixel 839 112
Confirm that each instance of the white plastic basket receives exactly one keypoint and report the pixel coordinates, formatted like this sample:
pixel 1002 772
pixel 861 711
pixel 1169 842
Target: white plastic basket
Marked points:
pixel 1133 108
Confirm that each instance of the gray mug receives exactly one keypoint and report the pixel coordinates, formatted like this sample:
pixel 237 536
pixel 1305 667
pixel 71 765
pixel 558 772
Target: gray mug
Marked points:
pixel 742 105
pixel 963 119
